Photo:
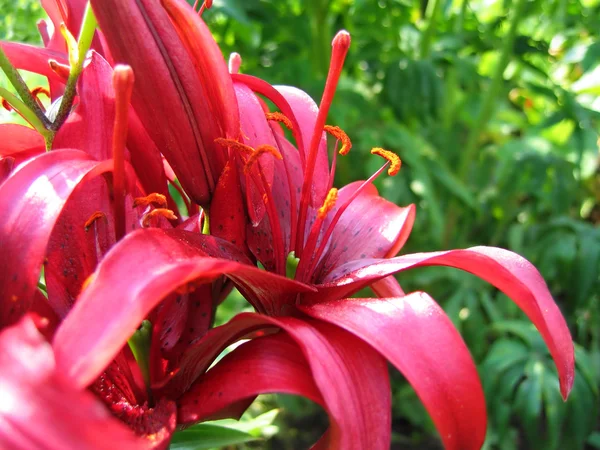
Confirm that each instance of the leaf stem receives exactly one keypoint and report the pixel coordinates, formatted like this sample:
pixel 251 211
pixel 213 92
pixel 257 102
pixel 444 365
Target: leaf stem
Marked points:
pixel 84 42
pixel 20 86
pixel 26 112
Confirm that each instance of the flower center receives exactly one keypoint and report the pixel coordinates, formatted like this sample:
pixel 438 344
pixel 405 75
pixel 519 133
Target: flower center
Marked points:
pixel 139 344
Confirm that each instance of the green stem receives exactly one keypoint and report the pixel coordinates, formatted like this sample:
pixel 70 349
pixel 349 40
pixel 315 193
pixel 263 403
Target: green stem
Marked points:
pixel 434 8
pixel 20 86
pixel 490 99
pixel 206 224
pixel 84 42
pixel 486 112
pixel 27 113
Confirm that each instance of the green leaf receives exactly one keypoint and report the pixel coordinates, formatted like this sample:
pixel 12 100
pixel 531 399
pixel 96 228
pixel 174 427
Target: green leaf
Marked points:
pixel 207 436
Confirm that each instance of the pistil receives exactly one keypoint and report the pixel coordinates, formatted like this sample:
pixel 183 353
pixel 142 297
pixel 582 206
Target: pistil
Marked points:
pixel 340 44
pixel 123 85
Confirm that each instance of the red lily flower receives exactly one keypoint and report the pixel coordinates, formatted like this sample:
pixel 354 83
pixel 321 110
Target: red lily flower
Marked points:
pixel 307 340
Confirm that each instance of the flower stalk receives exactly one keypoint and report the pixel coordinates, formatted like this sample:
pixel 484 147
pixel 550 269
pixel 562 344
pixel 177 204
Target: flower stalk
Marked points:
pixel 84 42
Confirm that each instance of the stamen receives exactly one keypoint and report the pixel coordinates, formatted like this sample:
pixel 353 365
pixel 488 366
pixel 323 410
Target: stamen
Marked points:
pixel 97 215
pixel 72 47
pixel 279 117
pixel 261 150
pixel 340 135
pixel 123 84
pixel 153 199
pixel 394 160
pixel 158 212
pixel 235 61
pixel 206 5
pixel 232 143
pixel 328 204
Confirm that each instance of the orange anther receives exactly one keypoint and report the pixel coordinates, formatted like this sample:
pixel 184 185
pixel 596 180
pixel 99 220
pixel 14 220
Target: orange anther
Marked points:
pixel 155 199
pixel 232 143
pixel 158 212
pixel 328 204
pixel 340 135
pixel 62 70
pixel 97 215
pixel 261 150
pixel 281 118
pixel 394 160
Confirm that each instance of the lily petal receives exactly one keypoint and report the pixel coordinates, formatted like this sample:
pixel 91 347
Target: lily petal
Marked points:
pixel 40 409
pixel 509 272
pixel 371 227
pixel 431 355
pixel 20 142
pixel 156 262
pixel 263 365
pixel 31 200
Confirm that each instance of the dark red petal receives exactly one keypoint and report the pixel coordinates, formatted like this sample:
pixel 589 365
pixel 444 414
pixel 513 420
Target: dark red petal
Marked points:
pixel 34 59
pixel 351 377
pixel 227 217
pixel 172 118
pixel 31 200
pixel 509 272
pixel 20 142
pixel 305 110
pixel 39 409
pixel 135 276
pixel 90 125
pixel 263 365
pixel 74 251
pixel 371 227
pixel 430 354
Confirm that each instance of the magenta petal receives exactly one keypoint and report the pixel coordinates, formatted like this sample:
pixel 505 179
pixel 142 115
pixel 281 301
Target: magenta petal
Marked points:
pixel 90 125
pixel 263 365
pixel 352 378
pixel 31 200
pixel 39 409
pixel 34 59
pixel 430 354
pixel 509 272
pixel 134 277
pixel 371 227
pixel 20 142
pixel 305 110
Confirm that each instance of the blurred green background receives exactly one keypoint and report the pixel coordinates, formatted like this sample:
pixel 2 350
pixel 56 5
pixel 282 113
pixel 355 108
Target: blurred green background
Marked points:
pixel 494 108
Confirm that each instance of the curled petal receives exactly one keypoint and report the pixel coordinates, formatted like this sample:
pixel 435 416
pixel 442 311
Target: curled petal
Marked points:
pixel 509 272
pixel 40 409
pixel 135 276
pixel 431 355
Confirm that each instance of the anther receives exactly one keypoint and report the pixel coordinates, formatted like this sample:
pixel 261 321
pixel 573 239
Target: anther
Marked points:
pixel 158 212
pixel 340 135
pixel 281 118
pixel 206 5
pixel 328 204
pixel 97 215
pixel 394 160
pixel 231 143
pixel 155 199
pixel 261 150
